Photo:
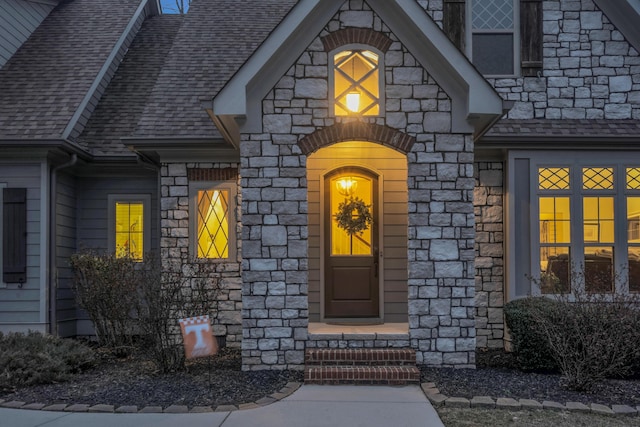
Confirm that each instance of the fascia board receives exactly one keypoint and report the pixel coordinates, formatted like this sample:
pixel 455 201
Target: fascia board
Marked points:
pixel 448 66
pixel 625 15
pixel 274 57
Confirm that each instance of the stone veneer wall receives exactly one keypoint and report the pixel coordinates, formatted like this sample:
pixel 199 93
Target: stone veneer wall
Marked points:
pixel 175 238
pixel 590 70
pixel 274 208
pixel 489 248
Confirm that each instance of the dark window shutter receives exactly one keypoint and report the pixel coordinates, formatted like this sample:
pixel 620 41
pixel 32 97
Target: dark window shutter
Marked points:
pixel 531 37
pixel 14 235
pixel 454 22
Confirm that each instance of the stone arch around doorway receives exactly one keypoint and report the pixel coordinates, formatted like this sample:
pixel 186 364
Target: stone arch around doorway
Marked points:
pixel 357 131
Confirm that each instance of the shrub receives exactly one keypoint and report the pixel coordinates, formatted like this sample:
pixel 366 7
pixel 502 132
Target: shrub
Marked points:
pixel 39 359
pixel 591 337
pixel 105 286
pixel 165 297
pixel 530 345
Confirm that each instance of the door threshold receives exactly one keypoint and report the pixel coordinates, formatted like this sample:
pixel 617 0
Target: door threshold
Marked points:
pixel 323 328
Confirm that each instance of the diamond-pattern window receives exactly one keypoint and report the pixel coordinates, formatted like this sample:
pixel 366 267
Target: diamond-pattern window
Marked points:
pixel 633 178
pixel 213 224
pixel 553 179
pixel 493 14
pixel 357 83
pixel 597 178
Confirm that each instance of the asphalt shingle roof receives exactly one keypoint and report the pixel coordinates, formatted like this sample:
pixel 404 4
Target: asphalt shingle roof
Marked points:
pixel 124 100
pixel 43 84
pixel 215 40
pixel 596 128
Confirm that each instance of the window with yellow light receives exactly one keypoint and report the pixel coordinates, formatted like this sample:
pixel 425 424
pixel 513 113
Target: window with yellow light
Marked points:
pixel 356 78
pixel 129 232
pixel 212 228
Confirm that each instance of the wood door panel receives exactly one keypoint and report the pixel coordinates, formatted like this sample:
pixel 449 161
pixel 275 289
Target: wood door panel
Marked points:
pixel 352 286
pixel 352 283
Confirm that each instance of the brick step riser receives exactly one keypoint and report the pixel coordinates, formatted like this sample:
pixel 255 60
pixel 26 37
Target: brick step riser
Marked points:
pixel 367 357
pixel 348 375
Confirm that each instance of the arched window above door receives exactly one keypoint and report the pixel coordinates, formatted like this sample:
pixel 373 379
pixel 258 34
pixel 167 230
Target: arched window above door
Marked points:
pixel 356 81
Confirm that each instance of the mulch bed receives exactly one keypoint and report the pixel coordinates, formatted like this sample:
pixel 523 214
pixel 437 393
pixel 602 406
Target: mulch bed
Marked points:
pixel 496 376
pixel 133 381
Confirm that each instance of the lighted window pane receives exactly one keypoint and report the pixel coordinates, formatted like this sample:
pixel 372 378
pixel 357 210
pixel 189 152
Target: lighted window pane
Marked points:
pixel 633 178
pixel 598 269
pixel 555 220
pixel 598 219
pixel 553 179
pixel 597 178
pixel 343 188
pixel 356 83
pixel 634 269
pixel 213 224
pixel 554 269
pixel 129 230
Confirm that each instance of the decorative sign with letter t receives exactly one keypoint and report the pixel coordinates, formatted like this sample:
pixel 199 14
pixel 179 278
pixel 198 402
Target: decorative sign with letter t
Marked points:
pixel 198 337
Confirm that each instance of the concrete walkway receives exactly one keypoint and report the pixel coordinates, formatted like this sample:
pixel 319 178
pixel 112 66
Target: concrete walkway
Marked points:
pixel 309 406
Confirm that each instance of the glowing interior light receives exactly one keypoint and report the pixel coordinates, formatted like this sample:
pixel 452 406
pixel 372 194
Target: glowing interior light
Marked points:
pixel 346 186
pixel 353 101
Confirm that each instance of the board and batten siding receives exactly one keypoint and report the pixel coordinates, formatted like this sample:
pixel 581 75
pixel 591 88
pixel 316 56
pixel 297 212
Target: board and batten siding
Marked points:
pixel 23 307
pixel 66 219
pixel 18 19
pixel 392 167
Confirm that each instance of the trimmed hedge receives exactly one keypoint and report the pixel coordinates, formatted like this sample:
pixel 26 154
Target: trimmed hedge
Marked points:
pixel 35 358
pixel 530 345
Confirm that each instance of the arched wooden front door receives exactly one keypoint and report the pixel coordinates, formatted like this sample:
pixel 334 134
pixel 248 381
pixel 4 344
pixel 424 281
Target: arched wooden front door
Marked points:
pixel 352 283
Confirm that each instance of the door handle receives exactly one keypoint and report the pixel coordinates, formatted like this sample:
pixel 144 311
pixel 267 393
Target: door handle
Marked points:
pixel 376 262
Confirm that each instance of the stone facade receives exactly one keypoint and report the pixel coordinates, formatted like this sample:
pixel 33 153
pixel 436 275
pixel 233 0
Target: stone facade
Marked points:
pixel 441 221
pixel 590 72
pixel 488 207
pixel 455 207
pixel 175 180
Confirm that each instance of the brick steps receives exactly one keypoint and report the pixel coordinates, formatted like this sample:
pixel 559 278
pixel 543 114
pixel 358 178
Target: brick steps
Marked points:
pixel 361 366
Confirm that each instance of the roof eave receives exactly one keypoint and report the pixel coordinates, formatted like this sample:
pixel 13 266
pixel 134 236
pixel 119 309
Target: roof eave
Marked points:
pixel 475 103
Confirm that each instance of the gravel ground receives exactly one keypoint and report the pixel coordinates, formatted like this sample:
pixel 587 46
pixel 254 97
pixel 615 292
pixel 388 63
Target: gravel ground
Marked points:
pixel 132 381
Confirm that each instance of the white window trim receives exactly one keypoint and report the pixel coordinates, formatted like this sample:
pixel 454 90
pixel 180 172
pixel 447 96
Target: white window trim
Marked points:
pixel 619 161
pixel 112 199
pixel 381 78
pixel 517 71
pixel 194 187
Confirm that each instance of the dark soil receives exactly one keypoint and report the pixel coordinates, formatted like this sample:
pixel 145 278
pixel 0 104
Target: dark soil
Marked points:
pixel 133 381
pixel 496 376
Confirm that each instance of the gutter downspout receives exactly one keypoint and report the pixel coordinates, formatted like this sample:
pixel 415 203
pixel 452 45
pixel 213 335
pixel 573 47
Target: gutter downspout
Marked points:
pixel 53 223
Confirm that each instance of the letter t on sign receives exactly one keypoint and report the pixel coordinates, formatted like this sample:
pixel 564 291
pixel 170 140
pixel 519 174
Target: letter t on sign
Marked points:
pixel 198 337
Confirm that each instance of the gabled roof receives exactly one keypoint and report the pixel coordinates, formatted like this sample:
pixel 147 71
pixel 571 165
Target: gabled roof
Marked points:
pixel 215 40
pixel 124 101
pixel 50 86
pixel 475 103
